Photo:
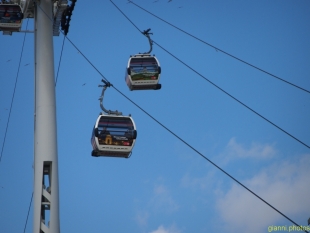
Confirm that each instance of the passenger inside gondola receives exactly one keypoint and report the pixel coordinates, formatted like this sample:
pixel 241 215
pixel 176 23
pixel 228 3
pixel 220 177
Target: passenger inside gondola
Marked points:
pixel 104 131
pixel 10 14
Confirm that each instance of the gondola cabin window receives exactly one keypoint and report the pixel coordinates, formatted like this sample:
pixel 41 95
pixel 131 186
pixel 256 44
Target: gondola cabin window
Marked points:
pixel 143 69
pixel 115 131
pixel 10 14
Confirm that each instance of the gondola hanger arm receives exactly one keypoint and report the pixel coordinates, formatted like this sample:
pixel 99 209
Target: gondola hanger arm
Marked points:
pixel 147 34
pixel 105 86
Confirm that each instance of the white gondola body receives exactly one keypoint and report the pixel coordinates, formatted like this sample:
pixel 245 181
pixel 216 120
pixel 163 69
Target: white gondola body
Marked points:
pixel 113 136
pixel 143 72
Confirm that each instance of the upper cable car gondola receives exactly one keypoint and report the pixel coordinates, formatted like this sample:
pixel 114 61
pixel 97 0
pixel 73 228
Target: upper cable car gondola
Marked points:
pixel 11 16
pixel 113 135
pixel 143 70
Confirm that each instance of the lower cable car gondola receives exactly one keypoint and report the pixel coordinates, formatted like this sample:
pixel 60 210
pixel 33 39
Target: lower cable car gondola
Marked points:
pixel 11 16
pixel 113 135
pixel 143 70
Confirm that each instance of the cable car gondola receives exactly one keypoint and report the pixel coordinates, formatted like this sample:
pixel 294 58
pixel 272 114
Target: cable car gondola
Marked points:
pixel 11 16
pixel 113 135
pixel 143 70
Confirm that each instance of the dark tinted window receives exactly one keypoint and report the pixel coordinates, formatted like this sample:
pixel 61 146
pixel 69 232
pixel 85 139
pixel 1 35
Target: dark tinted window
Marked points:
pixel 138 65
pixel 115 125
pixel 116 131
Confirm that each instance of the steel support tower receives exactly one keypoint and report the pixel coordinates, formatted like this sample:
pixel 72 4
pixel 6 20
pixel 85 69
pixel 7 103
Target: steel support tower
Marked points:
pixel 48 15
pixel 46 188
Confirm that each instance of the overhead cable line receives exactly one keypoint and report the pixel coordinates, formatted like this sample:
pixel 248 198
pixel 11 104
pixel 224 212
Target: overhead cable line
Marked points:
pixel 63 43
pixel 231 96
pixel 86 59
pixel 17 75
pixel 12 100
pixel 28 212
pixel 206 158
pixel 226 53
pixel 195 150
pixel 240 102
pixel 187 144
pixel 65 24
pixel 65 34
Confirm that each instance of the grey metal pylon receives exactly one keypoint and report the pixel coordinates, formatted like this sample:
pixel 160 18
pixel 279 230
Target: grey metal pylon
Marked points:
pixel 46 188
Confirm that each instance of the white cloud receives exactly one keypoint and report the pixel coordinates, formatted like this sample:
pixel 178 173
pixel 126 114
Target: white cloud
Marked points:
pixel 233 151
pixel 256 150
pixel 162 200
pixel 284 185
pixel 162 229
pixel 201 183
pixel 142 218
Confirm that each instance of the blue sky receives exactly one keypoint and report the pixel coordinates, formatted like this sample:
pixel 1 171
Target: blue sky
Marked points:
pixel 165 187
